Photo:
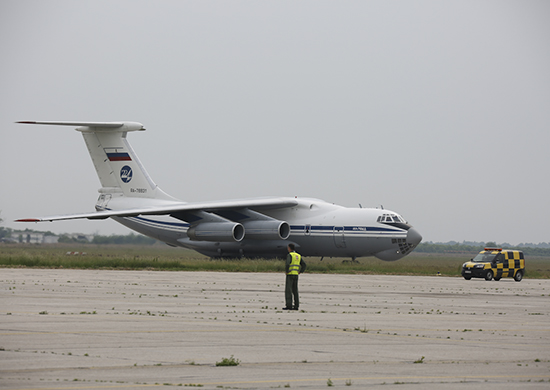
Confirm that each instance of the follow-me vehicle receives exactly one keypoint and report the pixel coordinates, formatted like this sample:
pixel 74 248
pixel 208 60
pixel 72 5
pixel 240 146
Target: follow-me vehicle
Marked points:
pixel 495 263
pixel 259 227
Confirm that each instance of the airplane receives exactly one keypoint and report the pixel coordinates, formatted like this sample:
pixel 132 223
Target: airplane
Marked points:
pixel 253 228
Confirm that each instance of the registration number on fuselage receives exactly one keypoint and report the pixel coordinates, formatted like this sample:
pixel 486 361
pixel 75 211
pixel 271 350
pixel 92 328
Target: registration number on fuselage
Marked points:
pixel 138 190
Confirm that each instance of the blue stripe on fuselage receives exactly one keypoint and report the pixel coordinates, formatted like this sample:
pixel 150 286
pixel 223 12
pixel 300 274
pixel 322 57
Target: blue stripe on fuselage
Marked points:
pixel 349 229
pixel 294 228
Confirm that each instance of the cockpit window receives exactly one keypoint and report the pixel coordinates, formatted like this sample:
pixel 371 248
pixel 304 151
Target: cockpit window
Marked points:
pixel 391 218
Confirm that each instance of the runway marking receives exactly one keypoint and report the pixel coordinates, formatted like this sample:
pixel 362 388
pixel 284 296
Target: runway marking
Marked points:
pixel 247 364
pixel 277 328
pixel 279 381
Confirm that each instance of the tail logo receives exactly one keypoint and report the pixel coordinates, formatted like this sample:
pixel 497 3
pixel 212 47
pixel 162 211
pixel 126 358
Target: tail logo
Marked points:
pixel 126 174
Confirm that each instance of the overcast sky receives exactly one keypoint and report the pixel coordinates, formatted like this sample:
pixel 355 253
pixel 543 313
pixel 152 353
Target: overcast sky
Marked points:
pixel 438 110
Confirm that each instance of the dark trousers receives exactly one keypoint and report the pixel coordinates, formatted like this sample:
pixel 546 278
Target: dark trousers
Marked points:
pixel 291 289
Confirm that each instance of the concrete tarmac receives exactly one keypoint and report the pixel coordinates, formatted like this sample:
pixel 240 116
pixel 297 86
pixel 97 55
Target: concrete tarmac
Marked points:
pixel 81 329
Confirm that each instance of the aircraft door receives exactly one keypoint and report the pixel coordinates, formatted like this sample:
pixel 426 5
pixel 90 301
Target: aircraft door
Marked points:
pixel 339 238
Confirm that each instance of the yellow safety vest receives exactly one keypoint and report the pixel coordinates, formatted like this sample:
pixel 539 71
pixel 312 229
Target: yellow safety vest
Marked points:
pixel 294 268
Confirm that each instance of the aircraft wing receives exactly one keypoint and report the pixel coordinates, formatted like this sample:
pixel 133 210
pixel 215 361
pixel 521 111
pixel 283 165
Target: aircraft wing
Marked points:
pixel 256 204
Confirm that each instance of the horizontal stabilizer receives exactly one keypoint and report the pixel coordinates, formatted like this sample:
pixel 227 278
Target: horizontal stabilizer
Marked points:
pixel 125 126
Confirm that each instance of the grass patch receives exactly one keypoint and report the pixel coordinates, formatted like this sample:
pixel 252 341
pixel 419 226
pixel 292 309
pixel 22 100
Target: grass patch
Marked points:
pixel 230 361
pixel 161 257
pixel 419 361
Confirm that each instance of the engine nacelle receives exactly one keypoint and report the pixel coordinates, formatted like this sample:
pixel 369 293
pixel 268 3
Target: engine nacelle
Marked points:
pixel 267 230
pixel 217 231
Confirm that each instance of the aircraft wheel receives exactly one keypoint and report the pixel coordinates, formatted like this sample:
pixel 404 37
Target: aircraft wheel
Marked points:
pixel 518 276
pixel 489 275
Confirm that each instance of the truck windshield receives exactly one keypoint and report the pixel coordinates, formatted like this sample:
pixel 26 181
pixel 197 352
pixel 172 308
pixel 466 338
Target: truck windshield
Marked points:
pixel 484 257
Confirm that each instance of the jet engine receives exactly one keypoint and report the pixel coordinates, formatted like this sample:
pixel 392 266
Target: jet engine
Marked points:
pixel 267 230
pixel 217 231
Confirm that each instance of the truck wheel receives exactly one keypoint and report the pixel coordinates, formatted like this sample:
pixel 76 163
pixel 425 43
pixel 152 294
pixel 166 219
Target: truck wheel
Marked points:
pixel 518 276
pixel 489 275
pixel 467 277
pixel 497 279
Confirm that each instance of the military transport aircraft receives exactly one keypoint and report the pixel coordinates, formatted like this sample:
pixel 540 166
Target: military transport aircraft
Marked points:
pixel 259 227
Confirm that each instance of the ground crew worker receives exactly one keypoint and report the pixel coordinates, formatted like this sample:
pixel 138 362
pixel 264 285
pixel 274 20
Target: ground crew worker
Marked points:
pixel 294 266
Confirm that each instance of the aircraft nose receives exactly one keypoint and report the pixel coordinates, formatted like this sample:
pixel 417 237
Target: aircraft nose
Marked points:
pixel 413 237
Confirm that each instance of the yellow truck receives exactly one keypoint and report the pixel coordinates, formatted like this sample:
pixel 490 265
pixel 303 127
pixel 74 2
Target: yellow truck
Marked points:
pixel 495 263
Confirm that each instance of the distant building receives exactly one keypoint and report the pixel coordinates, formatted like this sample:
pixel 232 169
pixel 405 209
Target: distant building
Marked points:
pixel 28 237
pixel 41 238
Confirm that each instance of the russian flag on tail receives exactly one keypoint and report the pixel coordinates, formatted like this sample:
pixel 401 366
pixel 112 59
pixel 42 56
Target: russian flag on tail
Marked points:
pixel 114 154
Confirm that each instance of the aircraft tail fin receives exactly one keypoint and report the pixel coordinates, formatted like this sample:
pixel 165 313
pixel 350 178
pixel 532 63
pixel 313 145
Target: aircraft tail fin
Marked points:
pixel 119 169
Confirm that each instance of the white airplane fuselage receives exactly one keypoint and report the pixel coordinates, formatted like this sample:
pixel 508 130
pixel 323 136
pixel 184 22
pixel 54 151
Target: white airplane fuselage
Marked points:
pixel 317 228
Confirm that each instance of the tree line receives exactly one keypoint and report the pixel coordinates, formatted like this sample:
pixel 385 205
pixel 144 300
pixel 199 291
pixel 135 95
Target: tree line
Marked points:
pixel 542 249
